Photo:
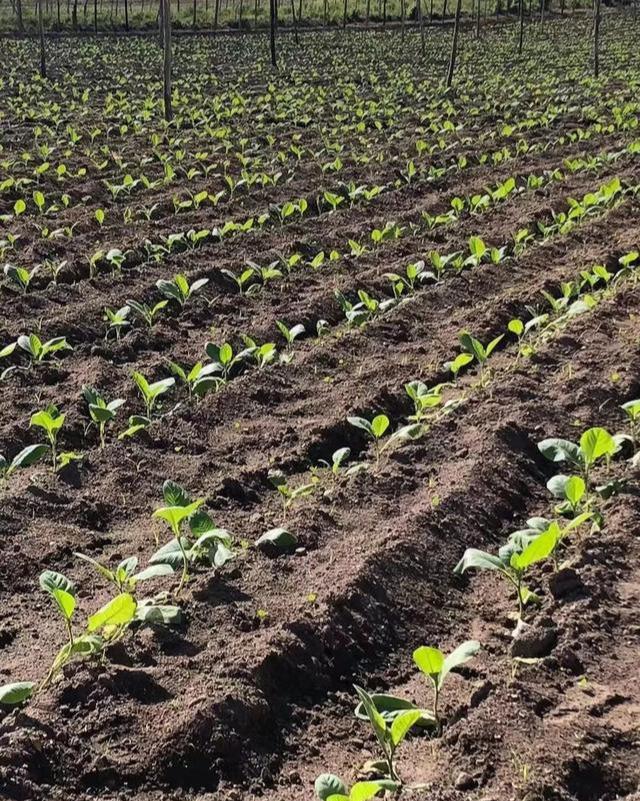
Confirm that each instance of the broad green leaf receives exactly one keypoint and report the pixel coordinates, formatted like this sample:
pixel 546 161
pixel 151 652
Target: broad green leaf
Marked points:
pixel 118 612
pixel 16 692
pixel 463 653
pixel 596 442
pixel 482 560
pixel 327 784
pixel 403 723
pixel 430 661
pixel 66 602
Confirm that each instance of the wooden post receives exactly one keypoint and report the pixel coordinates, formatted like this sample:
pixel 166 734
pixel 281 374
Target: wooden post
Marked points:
pixel 596 38
pixel 272 31
pixel 454 44
pixel 43 62
pixel 166 71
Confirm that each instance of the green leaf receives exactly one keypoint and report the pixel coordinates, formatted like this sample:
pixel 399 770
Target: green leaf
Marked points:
pixel 482 560
pixel 50 581
pixel 16 693
pixel 277 538
pixel 327 784
pixel 174 515
pixel 560 450
pixel 538 550
pixel 574 490
pixel 463 653
pixel 361 422
pixel 66 602
pixel 118 612
pixel 377 721
pixel 596 442
pixel 28 456
pixel 402 724
pixel 174 494
pixel 379 425
pixel 430 661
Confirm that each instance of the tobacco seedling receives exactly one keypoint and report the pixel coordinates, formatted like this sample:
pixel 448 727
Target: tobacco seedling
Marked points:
pixel 124 577
pixel 290 334
pixel 571 490
pixel 436 667
pixel 117 320
pixel 35 348
pixel 594 444
pixel 28 456
pixel 198 379
pixel 212 545
pixel 338 458
pixel 376 429
pixel 521 551
pixel 224 359
pixel 19 278
pixel 174 517
pixel 290 494
pixel 477 350
pixel 389 736
pixel 424 398
pixel 632 411
pixel 51 421
pixel 151 392
pixel 146 313
pixel 179 289
pixel 101 411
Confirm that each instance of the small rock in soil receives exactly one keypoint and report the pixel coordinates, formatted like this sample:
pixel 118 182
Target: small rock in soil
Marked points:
pixel 531 642
pixel 464 781
pixel 564 582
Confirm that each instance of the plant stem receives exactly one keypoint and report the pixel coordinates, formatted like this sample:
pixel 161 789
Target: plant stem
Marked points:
pixel 185 568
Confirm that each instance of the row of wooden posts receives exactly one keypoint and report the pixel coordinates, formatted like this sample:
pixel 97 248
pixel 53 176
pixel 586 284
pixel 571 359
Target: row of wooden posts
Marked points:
pixel 164 18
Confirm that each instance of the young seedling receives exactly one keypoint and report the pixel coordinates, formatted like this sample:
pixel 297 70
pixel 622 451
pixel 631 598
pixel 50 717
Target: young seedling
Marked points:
pixel 389 736
pixel 436 667
pixel 632 411
pixel 290 334
pixel 27 457
pixel 513 560
pixel 202 543
pixel 35 348
pixel 477 350
pixel 179 289
pixel 101 411
pixel 263 354
pixel 146 313
pixel 117 320
pixel 125 576
pixel 174 516
pixel 151 392
pixel 51 421
pixel 199 379
pixel 338 458
pixel 224 358
pixel 571 490
pixel 595 444
pixel 424 398
pixel 376 429
pixel 290 494
pixel 19 278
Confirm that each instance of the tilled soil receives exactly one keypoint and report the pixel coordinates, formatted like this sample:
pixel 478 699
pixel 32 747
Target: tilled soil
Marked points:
pixel 252 695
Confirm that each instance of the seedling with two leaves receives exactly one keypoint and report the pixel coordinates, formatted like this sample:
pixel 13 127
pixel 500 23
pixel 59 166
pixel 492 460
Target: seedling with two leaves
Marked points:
pixel 145 313
pixel 37 350
pixel 19 278
pixel 288 493
pixel 595 444
pixel 179 289
pixel 151 392
pixel 473 349
pixel 436 667
pixel 199 379
pixel 376 429
pixel 388 735
pixel 101 411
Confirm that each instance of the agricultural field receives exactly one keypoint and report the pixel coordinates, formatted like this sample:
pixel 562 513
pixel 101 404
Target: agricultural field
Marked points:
pixel 320 416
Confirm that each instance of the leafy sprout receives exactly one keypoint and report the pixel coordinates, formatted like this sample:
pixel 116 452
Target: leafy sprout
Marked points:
pixel 436 666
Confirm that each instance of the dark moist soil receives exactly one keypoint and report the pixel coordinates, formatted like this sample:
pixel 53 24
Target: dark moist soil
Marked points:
pixel 240 705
